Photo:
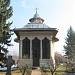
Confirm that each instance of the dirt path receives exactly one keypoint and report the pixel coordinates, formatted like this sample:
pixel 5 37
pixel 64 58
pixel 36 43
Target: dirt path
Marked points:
pixel 36 71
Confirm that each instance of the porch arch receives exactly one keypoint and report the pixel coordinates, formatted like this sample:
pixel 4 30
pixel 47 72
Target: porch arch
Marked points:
pixel 26 48
pixel 46 48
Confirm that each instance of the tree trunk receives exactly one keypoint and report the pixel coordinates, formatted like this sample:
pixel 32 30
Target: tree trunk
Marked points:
pixel 52 73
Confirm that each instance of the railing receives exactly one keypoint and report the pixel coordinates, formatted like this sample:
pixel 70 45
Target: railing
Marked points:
pixel 44 62
pixel 24 62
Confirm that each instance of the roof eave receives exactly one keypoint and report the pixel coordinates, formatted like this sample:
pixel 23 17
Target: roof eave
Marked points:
pixel 55 39
pixel 16 31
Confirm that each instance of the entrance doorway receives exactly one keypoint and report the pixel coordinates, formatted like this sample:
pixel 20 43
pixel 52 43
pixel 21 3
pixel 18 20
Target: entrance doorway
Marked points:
pixel 36 51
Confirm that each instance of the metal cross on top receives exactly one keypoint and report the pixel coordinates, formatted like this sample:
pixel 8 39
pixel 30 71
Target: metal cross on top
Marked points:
pixel 36 9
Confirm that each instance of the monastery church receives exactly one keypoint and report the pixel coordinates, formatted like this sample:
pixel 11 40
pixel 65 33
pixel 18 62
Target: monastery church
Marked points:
pixel 36 42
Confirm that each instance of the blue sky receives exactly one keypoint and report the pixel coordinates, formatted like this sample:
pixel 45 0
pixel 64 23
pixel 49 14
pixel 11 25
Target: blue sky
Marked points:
pixel 56 13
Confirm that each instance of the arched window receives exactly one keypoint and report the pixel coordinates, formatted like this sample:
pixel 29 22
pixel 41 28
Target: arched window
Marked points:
pixel 26 48
pixel 46 48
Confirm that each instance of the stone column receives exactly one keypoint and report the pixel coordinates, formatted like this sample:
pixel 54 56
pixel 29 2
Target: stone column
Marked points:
pixel 31 59
pixel 30 48
pixel 40 48
pixel 20 49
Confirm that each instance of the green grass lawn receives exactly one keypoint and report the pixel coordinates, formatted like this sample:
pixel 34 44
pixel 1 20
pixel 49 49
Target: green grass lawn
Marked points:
pixel 59 71
pixel 60 68
pixel 17 72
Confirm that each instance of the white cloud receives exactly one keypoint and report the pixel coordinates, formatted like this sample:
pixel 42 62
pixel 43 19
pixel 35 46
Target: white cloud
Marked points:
pixel 24 4
pixel 43 2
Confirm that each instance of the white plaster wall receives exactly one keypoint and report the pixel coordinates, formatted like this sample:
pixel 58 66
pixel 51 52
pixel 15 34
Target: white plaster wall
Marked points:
pixel 53 52
pixel 40 35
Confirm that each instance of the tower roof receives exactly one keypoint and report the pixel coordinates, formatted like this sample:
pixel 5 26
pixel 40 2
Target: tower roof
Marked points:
pixel 36 18
pixel 36 15
pixel 36 22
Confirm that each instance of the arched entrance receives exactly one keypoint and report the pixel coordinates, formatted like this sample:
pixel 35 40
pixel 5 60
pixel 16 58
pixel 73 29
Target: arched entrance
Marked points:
pixel 36 51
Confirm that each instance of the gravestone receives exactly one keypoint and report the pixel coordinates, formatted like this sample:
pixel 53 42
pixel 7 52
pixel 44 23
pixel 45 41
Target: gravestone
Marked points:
pixel 9 63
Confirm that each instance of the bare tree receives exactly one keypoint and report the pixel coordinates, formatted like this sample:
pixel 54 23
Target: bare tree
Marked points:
pixel 24 66
pixel 59 58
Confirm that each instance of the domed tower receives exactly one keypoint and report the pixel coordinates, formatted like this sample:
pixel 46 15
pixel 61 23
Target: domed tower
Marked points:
pixel 36 22
pixel 36 41
pixel 36 19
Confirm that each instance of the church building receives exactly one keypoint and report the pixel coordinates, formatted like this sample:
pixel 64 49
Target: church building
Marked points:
pixel 36 42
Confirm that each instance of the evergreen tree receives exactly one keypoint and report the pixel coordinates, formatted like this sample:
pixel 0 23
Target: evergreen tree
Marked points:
pixel 5 33
pixel 70 44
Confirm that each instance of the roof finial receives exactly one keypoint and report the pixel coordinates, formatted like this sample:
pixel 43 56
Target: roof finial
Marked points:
pixel 36 10
pixel 36 5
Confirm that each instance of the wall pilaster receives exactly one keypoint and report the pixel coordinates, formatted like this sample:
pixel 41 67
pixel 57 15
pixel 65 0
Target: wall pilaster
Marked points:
pixel 20 49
